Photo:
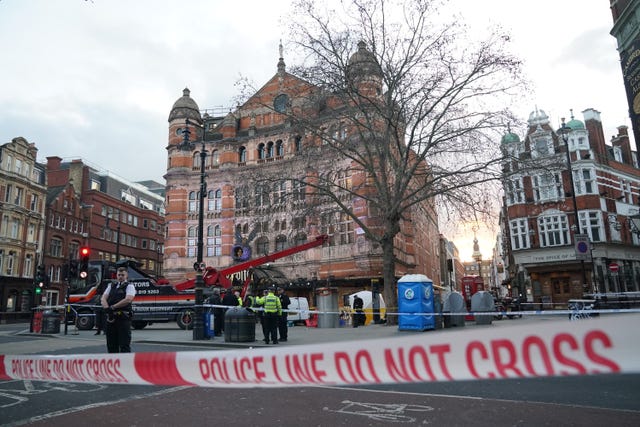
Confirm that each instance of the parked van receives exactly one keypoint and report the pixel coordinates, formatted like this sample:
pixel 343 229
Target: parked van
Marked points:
pixel 300 310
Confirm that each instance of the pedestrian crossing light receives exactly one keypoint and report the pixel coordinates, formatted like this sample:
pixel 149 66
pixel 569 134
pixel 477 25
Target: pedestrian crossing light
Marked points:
pixel 83 269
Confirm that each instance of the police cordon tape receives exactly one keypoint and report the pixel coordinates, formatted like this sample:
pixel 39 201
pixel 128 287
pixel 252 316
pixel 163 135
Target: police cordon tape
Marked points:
pixel 389 312
pixel 606 345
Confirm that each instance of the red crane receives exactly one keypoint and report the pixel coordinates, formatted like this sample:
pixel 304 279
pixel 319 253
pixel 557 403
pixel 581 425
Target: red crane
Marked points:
pixel 213 277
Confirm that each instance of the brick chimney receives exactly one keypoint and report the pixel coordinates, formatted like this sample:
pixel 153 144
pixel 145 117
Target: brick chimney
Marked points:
pixel 622 141
pixel 596 134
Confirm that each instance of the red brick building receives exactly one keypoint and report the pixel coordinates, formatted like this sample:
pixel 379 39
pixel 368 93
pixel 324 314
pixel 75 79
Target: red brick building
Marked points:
pixel 256 139
pixel 90 207
pixel 546 259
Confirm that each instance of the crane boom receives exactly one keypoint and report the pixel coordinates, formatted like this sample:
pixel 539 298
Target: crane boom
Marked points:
pixel 213 277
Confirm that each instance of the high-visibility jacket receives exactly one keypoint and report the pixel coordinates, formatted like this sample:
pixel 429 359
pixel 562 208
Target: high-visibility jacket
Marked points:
pixel 272 304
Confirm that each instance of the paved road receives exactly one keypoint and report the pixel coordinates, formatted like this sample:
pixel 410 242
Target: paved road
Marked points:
pixel 584 401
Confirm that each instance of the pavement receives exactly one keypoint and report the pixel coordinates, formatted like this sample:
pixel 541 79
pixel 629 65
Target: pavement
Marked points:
pixel 170 333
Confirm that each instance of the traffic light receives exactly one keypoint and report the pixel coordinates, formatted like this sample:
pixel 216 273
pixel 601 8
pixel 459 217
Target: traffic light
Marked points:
pixel 40 279
pixel 83 268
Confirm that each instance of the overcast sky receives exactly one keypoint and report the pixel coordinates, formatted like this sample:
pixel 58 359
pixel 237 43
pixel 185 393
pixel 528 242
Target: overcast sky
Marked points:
pixel 96 79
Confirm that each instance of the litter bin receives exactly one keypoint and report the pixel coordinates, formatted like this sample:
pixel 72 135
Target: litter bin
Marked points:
pixel 482 302
pixel 239 325
pixel 454 303
pixel 327 299
pixel 50 322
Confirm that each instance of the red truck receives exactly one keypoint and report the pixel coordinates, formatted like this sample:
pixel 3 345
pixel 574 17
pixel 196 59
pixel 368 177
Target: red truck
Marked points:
pixel 156 302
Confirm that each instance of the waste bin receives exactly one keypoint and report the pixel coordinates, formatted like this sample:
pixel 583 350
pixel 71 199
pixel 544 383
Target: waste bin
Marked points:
pixel 454 303
pixel 239 325
pixel 50 322
pixel 327 299
pixel 482 302
pixel 415 303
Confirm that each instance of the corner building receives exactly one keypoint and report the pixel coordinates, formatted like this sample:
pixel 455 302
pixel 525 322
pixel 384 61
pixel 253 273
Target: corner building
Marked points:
pixel 539 217
pixel 254 140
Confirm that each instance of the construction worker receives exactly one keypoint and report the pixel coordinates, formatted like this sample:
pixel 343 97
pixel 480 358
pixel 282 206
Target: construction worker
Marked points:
pixel 272 312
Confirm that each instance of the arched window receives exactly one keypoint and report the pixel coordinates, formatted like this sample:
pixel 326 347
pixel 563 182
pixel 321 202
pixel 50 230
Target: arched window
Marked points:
pixel 193 201
pixel 242 198
pixel 262 245
pixel 215 200
pixel 279 148
pixel 281 242
pixel 215 158
pixel 270 149
pixel 261 151
pixel 214 240
pixel 28 266
pixel 298 144
pixel 242 154
pixel 195 161
pixel 300 239
pixel 192 241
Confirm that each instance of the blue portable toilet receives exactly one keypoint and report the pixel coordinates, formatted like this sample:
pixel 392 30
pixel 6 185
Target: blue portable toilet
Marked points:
pixel 415 295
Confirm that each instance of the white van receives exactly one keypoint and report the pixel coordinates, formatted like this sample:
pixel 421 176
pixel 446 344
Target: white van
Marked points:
pixel 299 310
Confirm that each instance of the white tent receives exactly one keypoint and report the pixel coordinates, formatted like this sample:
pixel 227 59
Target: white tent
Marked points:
pixel 367 299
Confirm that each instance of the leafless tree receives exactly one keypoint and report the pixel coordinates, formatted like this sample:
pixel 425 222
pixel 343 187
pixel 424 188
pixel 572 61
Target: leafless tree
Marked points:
pixel 419 109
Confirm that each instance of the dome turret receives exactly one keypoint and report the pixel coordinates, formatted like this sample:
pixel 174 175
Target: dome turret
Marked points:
pixel 574 123
pixel 363 63
pixel 538 117
pixel 510 138
pixel 185 108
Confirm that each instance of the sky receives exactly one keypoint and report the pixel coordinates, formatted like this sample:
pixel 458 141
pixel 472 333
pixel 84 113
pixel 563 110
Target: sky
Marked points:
pixel 96 79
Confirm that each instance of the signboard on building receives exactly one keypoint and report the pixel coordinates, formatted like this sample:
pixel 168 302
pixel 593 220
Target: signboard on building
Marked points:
pixel 583 248
pixel 630 58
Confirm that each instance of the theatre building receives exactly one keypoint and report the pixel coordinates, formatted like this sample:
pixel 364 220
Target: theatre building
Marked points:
pixel 257 139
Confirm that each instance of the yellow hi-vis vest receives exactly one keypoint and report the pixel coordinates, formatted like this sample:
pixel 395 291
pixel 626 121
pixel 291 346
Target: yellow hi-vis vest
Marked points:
pixel 272 304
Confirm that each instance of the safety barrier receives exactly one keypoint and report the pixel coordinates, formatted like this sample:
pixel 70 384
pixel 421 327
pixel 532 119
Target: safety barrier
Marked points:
pixel 605 345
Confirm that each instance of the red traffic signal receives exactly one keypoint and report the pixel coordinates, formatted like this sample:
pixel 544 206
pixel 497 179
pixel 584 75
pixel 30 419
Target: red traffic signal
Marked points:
pixel 83 267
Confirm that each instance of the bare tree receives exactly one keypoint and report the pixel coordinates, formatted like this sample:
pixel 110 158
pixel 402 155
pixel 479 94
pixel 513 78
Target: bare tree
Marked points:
pixel 411 104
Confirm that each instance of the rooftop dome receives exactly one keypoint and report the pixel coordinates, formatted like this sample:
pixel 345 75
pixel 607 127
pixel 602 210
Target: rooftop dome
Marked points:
pixel 185 108
pixel 575 124
pixel 363 62
pixel 510 138
pixel 538 117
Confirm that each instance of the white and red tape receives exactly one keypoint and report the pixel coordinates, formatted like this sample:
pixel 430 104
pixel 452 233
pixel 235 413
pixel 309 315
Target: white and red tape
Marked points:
pixel 604 345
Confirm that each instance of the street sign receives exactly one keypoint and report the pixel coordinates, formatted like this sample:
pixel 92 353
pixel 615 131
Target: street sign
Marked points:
pixel 582 247
pixel 613 267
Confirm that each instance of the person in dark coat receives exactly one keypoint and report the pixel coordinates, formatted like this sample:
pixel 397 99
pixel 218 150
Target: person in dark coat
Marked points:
pixel 218 313
pixel 116 301
pixel 358 306
pixel 283 328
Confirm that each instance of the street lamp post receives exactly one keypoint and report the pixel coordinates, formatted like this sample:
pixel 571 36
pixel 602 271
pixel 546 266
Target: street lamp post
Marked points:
pixel 564 133
pixel 198 321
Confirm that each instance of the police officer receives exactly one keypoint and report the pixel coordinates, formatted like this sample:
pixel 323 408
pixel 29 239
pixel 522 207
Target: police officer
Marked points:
pixel 272 312
pixel 282 321
pixel 116 301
